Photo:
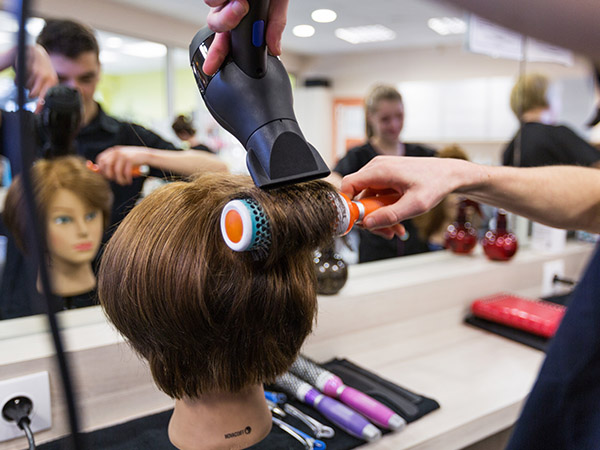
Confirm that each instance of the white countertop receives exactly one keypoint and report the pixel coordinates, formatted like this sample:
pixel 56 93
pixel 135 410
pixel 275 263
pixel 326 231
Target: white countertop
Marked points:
pixel 401 319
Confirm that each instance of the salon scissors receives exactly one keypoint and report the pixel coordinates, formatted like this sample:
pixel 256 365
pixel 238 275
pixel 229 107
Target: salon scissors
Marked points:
pixel 309 442
pixel 320 430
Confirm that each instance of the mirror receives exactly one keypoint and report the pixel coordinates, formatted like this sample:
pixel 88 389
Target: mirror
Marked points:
pixel 421 68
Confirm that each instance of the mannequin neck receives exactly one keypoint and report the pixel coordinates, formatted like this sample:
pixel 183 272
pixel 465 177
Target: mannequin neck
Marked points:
pixel 70 279
pixel 221 420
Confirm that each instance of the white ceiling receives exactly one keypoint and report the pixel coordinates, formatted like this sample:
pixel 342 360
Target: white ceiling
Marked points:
pixel 408 18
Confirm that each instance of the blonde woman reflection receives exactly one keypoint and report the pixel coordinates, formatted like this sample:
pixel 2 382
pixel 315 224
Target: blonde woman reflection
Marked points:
pixel 74 206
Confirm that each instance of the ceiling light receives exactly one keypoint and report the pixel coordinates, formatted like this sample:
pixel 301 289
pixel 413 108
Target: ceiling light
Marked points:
pixel 114 42
pixel 323 15
pixel 447 25
pixel 145 49
pixel 107 57
pixel 368 33
pixel 35 25
pixel 303 30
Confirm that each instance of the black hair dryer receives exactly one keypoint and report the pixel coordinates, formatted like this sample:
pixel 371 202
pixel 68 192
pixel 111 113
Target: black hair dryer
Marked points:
pixel 251 97
pixel 59 121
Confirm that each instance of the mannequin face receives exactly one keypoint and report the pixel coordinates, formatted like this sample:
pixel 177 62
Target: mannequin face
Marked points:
pixel 74 229
pixel 387 120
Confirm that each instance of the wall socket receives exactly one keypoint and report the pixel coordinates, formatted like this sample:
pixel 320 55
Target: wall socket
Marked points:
pixel 35 386
pixel 552 269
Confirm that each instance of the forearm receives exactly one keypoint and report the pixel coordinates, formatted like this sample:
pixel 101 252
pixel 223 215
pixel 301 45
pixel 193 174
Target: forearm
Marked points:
pixel 187 162
pixel 7 59
pixel 559 196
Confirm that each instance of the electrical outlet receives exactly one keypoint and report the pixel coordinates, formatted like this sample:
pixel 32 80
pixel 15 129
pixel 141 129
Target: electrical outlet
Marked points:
pixel 552 269
pixel 35 386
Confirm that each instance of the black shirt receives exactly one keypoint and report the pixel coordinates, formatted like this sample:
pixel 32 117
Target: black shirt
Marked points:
pixel 104 132
pixel 373 247
pixel 544 145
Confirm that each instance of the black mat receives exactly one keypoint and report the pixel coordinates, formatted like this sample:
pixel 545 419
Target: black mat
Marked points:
pixel 514 334
pixel 150 433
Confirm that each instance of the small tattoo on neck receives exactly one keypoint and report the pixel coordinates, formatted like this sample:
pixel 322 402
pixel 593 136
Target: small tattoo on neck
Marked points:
pixel 238 433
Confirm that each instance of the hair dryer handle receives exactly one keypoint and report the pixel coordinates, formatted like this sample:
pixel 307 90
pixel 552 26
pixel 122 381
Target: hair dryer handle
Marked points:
pixel 248 45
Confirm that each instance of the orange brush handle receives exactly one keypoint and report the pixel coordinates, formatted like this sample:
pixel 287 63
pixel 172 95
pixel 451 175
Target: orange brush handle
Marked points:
pixel 373 203
pixel 137 171
pixel 359 209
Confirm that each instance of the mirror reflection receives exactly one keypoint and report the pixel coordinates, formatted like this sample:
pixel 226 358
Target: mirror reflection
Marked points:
pixel 449 96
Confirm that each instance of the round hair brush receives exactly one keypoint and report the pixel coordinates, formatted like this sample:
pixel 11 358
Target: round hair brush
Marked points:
pixel 245 226
pixel 136 171
pixel 333 386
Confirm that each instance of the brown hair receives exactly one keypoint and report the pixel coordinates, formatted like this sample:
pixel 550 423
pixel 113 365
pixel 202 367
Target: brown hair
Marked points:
pixel 206 318
pixel 437 217
pixel 68 38
pixel 48 176
pixel 529 92
pixel 183 124
pixel 377 94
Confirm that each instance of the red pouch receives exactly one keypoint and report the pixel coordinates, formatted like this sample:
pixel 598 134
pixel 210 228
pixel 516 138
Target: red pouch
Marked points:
pixel 534 316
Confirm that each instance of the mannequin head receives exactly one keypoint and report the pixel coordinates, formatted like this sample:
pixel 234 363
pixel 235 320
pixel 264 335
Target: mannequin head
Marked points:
pixel 212 322
pixel 57 182
pixel 73 204
pixel 529 94
pixel 384 113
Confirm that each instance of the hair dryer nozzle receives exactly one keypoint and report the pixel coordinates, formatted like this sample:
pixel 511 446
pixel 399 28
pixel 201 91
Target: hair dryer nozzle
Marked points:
pixel 259 112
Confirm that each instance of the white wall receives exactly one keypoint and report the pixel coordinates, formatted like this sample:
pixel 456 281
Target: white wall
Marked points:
pixel 451 95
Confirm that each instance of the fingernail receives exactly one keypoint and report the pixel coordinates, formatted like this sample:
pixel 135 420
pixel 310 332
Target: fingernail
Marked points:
pixel 240 8
pixel 368 222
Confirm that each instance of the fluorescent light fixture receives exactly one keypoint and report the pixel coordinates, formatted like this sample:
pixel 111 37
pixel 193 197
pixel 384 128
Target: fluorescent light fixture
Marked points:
pixel 114 42
pixel 145 49
pixel 447 25
pixel 7 38
pixel 107 57
pixel 323 15
pixel 303 30
pixel 368 33
pixel 35 25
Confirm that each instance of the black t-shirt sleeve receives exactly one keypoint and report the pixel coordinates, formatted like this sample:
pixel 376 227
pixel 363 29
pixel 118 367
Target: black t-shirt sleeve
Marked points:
pixel 354 160
pixel 576 149
pixel 508 155
pixel 150 139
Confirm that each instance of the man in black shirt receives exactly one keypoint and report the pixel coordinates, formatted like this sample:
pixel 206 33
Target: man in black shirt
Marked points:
pixel 70 51
pixel 116 146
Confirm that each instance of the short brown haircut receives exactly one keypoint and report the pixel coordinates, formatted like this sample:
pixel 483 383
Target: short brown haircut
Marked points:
pixel 528 93
pixel 206 318
pixel 48 176
pixel 68 38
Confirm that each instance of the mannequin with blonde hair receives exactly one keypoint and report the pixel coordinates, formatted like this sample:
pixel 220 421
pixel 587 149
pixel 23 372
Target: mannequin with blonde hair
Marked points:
pixel 74 206
pixel 214 324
